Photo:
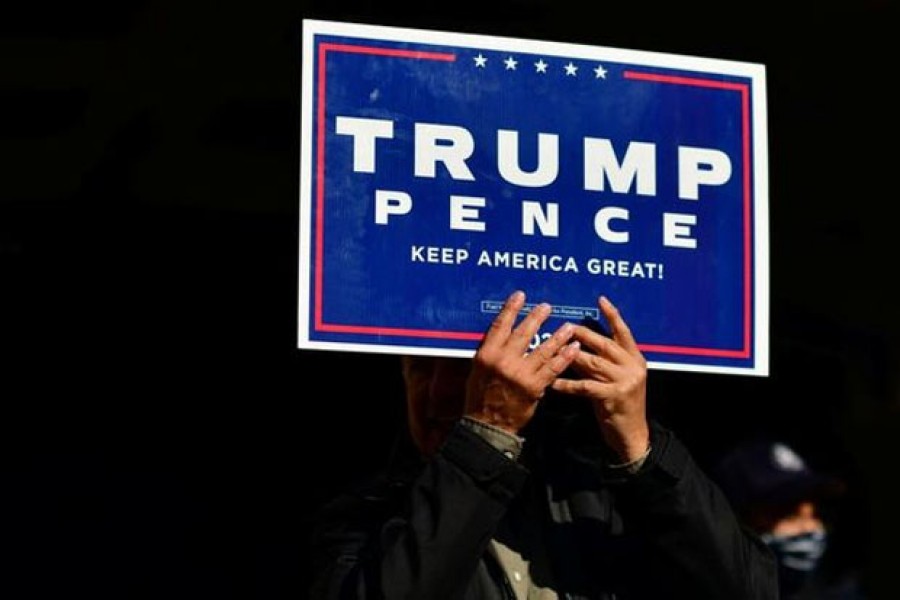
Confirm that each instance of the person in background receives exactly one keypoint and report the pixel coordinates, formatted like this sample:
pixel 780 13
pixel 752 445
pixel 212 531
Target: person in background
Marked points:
pixel 537 475
pixel 774 490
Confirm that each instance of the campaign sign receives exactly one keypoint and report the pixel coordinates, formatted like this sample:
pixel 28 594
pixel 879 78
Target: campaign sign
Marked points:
pixel 442 171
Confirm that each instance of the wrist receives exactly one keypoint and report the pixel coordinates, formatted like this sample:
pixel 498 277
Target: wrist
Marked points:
pixel 508 443
pixel 633 466
pixel 630 447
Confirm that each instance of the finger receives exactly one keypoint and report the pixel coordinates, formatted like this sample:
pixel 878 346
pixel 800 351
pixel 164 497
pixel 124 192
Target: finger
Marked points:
pixel 580 387
pixel 594 367
pixel 522 335
pixel 619 328
pixel 500 327
pixel 598 343
pixel 549 370
pixel 547 351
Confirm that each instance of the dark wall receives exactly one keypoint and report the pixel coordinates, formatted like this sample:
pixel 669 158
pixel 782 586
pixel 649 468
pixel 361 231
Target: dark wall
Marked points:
pixel 162 435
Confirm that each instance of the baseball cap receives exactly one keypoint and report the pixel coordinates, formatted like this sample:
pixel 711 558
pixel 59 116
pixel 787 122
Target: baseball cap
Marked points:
pixel 771 472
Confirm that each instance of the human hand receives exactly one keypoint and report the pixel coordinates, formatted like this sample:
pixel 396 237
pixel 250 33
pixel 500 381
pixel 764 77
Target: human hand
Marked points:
pixel 614 379
pixel 506 381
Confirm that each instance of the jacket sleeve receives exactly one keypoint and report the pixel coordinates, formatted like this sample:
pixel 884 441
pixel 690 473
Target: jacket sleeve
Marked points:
pixel 422 539
pixel 697 546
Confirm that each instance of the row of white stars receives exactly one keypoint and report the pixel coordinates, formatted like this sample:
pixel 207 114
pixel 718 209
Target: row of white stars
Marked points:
pixel 539 67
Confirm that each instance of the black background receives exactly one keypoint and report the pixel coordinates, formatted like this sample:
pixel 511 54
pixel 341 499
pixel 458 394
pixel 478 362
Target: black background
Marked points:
pixel 164 438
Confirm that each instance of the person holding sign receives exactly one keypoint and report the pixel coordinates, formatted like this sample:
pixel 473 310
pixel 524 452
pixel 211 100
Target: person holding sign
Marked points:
pixel 537 475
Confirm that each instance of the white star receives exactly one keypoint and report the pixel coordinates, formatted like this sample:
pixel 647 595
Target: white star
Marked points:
pixel 600 72
pixel 540 66
pixel 511 63
pixel 571 69
pixel 480 61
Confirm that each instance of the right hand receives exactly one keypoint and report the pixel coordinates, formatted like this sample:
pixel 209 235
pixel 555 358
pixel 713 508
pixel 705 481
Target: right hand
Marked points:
pixel 506 381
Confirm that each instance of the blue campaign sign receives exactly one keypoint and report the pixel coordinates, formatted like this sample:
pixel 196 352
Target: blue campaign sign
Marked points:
pixel 441 171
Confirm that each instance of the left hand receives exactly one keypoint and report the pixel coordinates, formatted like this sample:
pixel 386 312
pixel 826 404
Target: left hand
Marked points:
pixel 615 381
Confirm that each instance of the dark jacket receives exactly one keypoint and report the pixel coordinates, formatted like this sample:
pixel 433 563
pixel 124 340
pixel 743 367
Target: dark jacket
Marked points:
pixel 423 531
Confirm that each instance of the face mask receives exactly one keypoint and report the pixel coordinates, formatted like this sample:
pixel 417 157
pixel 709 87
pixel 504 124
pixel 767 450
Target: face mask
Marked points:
pixel 797 555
